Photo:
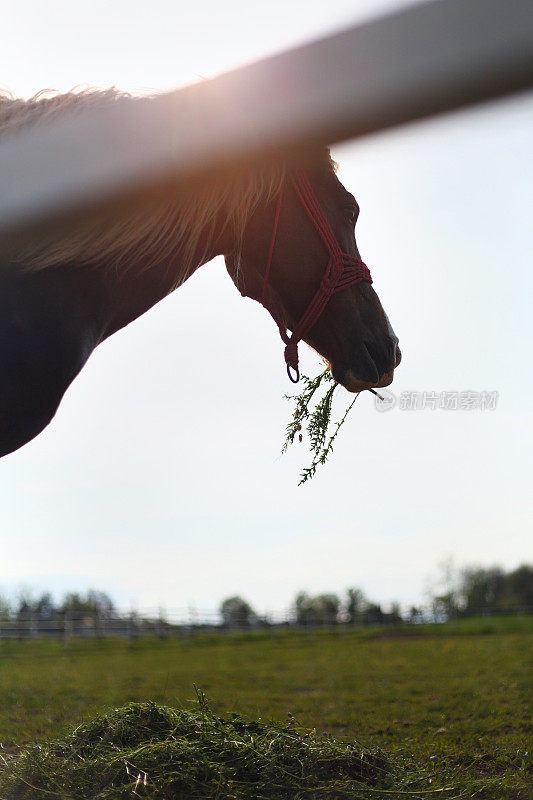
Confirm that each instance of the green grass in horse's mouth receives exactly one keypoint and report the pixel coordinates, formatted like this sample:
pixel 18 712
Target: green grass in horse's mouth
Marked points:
pixel 316 415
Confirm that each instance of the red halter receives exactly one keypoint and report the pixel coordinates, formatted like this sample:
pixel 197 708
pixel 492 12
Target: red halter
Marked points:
pixel 342 271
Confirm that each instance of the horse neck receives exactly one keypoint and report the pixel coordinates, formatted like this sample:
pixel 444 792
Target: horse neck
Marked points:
pixel 130 291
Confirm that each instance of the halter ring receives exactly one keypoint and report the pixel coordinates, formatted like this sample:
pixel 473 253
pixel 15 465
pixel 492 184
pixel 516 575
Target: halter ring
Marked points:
pixel 296 370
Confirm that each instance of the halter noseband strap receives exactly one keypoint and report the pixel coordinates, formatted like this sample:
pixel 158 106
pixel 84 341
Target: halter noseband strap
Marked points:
pixel 342 271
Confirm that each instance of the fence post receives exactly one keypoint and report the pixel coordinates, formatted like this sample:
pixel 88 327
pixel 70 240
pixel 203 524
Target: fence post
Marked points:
pixel 192 616
pixel 67 630
pixel 98 625
pixel 132 627
pixel 161 627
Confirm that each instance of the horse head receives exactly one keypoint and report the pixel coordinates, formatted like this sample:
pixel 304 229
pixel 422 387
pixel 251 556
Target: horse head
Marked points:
pixel 286 261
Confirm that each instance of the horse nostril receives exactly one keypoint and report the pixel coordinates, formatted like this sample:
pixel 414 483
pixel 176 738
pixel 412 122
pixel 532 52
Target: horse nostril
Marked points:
pixel 383 355
pixel 376 353
pixel 368 369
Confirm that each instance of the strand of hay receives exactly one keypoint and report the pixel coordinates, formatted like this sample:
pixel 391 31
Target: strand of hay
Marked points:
pixel 317 420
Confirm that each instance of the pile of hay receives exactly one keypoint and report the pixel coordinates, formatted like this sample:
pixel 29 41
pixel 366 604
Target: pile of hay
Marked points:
pixel 150 751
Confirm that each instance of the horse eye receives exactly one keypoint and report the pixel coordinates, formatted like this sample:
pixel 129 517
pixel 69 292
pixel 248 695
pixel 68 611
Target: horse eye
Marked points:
pixel 352 214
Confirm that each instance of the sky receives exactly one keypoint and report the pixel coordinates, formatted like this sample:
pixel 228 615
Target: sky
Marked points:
pixel 160 480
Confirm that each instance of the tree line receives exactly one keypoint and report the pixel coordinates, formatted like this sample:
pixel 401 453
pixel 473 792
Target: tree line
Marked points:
pixel 312 610
pixel 470 592
pixel 74 604
pixel 485 591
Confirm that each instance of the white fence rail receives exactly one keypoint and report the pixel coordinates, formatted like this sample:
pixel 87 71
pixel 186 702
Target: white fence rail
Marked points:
pixel 426 59
pixel 184 623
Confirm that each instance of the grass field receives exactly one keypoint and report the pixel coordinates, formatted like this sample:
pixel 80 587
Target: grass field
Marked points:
pixel 449 698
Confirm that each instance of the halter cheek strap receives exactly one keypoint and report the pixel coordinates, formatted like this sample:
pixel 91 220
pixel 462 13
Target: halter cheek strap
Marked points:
pixel 342 271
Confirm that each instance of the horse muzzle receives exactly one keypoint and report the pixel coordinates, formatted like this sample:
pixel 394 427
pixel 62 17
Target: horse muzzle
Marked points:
pixel 367 374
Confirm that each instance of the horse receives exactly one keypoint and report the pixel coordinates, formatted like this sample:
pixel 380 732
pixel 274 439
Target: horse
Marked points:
pixel 285 226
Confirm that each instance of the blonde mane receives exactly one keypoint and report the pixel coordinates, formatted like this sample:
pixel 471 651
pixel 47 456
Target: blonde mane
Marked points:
pixel 146 233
